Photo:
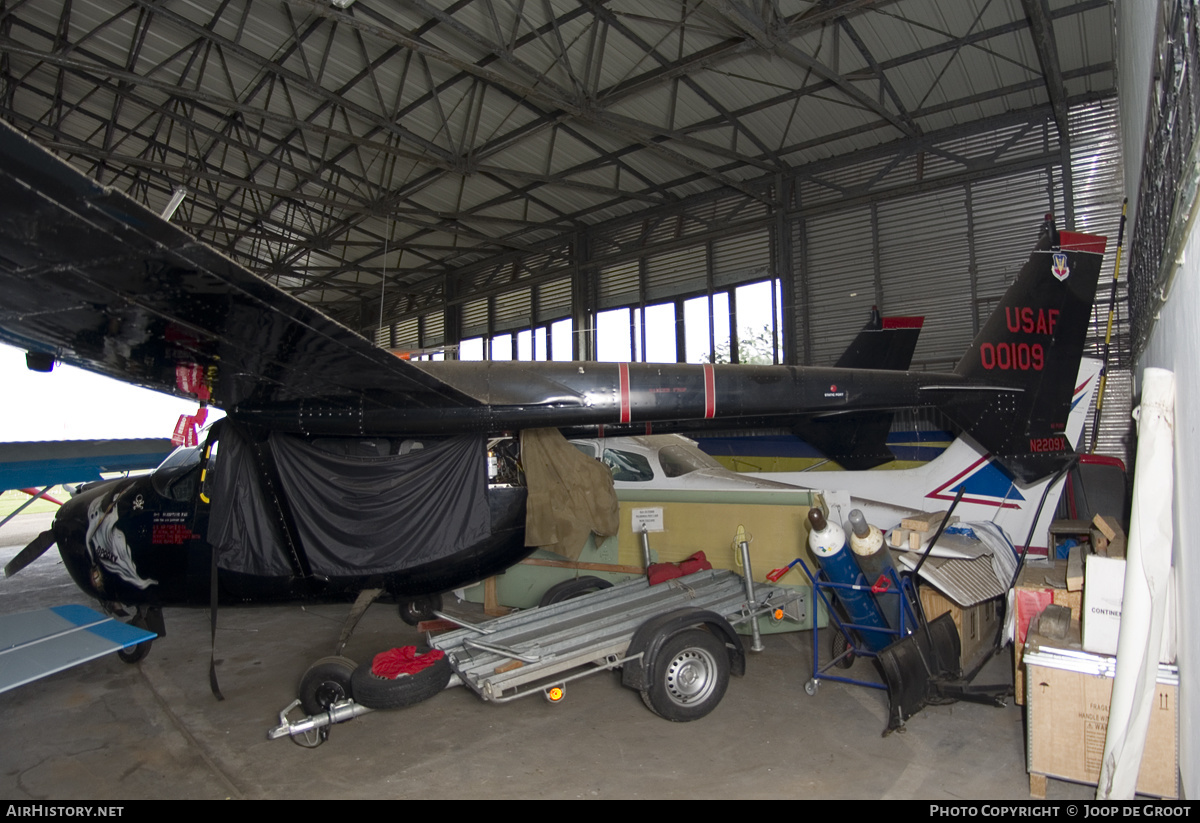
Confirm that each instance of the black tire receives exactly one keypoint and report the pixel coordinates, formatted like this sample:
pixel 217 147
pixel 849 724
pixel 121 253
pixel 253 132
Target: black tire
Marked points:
pixel 326 682
pixel 838 646
pixel 416 609
pixel 572 588
pixel 688 676
pixel 135 654
pixel 406 690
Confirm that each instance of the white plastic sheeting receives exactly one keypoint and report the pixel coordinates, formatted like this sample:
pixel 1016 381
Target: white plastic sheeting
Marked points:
pixel 1147 575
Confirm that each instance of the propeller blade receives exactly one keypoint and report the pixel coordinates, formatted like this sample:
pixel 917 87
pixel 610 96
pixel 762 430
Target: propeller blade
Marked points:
pixel 36 548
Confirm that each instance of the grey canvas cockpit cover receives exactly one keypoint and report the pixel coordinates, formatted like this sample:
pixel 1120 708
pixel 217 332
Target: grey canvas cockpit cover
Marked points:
pixel 375 515
pixel 242 529
pixel 353 515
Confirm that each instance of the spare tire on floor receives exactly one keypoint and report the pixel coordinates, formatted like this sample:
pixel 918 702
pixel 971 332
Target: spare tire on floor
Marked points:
pixel 406 690
pixel 569 589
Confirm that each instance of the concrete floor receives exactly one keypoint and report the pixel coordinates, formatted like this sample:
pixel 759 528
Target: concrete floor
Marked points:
pixel 110 731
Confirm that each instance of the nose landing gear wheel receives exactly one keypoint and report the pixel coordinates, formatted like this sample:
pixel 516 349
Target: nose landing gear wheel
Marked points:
pixel 326 682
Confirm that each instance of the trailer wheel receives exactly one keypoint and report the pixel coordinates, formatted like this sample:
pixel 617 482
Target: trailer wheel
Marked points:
pixel 688 676
pixel 406 690
pixel 416 609
pixel 324 683
pixel 573 588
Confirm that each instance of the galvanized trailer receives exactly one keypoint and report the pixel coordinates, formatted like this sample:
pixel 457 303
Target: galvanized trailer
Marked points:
pixel 675 642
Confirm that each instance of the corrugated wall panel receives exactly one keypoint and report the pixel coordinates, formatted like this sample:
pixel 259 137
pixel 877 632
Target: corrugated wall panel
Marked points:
pixel 683 271
pixel 406 335
pixel 1006 215
pixel 742 259
pixel 618 286
pixel 475 318
pixel 841 282
pixel 924 262
pixel 554 300
pixel 512 310
pixel 434 329
pixel 1099 186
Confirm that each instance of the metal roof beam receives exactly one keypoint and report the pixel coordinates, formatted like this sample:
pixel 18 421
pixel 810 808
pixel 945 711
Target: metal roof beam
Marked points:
pixel 1041 28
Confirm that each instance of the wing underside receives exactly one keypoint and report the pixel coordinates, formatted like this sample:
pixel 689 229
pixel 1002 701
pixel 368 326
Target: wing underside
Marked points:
pixel 100 282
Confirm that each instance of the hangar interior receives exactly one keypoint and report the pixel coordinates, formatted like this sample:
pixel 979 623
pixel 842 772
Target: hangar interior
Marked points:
pixel 656 181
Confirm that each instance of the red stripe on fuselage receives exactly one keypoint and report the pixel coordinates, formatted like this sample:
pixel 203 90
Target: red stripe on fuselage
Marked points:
pixel 710 393
pixel 623 368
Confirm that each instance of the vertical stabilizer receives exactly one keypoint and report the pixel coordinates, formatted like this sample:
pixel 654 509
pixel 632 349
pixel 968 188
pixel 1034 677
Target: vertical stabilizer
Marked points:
pixel 1025 360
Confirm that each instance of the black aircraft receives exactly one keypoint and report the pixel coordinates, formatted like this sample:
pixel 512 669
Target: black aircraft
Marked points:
pixel 341 467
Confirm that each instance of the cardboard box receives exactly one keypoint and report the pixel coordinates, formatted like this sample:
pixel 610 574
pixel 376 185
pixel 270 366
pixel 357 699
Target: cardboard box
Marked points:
pixel 1103 598
pixel 1067 720
pixel 1103 590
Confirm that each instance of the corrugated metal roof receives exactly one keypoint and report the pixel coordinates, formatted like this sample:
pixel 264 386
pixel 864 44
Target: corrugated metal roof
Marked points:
pixel 307 134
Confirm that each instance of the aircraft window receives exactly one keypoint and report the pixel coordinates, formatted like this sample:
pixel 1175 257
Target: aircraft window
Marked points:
pixel 628 467
pixel 586 449
pixel 170 478
pixel 351 447
pixel 680 460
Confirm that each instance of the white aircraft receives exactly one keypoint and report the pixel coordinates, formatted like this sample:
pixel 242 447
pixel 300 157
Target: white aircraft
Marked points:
pixel 991 493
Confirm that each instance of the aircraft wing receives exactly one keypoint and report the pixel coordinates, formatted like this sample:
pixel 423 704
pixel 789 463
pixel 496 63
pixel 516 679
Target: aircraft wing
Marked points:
pixel 50 463
pixel 39 643
pixel 98 281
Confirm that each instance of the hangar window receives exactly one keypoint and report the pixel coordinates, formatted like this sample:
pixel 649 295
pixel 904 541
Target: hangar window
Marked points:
pixel 502 347
pixel 471 349
pixel 740 325
pixel 614 336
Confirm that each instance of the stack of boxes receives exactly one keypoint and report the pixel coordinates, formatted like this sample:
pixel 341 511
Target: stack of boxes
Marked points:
pixel 1064 677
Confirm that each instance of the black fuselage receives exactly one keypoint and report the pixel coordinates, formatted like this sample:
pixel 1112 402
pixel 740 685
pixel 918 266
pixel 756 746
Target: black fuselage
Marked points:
pixel 136 541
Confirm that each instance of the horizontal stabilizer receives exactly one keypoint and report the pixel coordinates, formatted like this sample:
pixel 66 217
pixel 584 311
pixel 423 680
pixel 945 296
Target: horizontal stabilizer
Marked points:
pixel 39 643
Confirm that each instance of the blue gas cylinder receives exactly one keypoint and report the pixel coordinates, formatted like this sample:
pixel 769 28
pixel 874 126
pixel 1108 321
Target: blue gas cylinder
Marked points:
pixel 828 542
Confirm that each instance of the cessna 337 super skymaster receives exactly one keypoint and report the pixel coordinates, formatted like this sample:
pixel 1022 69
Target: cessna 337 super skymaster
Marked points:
pixel 94 279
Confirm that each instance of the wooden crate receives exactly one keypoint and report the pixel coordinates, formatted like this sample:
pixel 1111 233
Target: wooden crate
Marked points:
pixel 977 625
pixel 1067 720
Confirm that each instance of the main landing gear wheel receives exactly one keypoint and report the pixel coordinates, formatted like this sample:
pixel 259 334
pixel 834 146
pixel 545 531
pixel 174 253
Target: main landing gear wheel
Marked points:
pixel 688 676
pixel 324 683
pixel 416 609
pixel 134 654
pixel 406 690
